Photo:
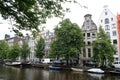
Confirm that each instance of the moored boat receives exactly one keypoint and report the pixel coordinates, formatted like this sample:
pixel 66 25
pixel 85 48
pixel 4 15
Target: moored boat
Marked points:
pixel 76 69
pixel 13 63
pixel 18 64
pixel 51 67
pixel 115 71
pixel 56 65
pixel 96 70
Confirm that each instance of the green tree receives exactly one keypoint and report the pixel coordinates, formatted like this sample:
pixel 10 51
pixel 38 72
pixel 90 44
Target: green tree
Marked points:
pixel 40 48
pixel 103 50
pixel 14 51
pixel 29 14
pixel 4 49
pixel 25 51
pixel 55 47
pixel 68 40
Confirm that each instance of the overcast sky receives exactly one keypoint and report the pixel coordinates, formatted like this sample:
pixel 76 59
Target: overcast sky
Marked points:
pixel 95 7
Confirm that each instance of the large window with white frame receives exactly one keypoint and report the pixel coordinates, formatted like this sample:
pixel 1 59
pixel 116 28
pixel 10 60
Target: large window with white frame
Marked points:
pixel 106 21
pixel 114 33
pixel 108 33
pixel 107 27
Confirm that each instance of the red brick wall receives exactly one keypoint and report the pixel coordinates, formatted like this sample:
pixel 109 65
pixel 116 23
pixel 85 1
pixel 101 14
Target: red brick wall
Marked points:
pixel 118 27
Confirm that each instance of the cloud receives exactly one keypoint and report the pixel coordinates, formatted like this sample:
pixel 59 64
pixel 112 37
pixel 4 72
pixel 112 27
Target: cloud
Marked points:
pixel 4 29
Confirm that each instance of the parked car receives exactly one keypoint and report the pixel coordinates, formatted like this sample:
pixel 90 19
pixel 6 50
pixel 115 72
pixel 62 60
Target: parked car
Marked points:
pixel 91 64
pixel 116 64
pixel 46 60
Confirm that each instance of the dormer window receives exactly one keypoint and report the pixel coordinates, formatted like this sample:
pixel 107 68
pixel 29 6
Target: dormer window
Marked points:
pixel 105 13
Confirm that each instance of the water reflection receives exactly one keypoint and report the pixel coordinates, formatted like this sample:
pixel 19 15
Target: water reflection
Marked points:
pixel 12 73
pixel 68 75
pixel 96 76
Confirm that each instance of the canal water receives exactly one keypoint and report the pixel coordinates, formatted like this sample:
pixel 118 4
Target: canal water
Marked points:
pixel 12 73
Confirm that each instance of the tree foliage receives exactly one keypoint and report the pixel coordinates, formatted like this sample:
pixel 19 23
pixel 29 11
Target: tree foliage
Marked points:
pixel 14 51
pixel 25 51
pixel 29 14
pixel 103 50
pixel 4 49
pixel 40 48
pixel 68 40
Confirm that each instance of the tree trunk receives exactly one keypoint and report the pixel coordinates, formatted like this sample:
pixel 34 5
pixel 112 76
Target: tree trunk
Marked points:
pixel 40 60
pixel 67 62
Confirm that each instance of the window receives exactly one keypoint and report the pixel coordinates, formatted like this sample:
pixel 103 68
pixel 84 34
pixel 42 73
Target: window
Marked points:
pixel 107 27
pixel 105 13
pixel 114 33
pixel 108 33
pixel 88 21
pixel 115 41
pixel 84 52
pixel 111 19
pixel 101 21
pixel 113 26
pixel 83 34
pixel 89 52
pixel 88 27
pixel 89 43
pixel 106 21
pixel 93 34
pixel 88 34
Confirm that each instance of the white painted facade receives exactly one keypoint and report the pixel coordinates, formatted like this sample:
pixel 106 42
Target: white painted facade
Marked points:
pixel 48 37
pixel 108 21
pixel 32 46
